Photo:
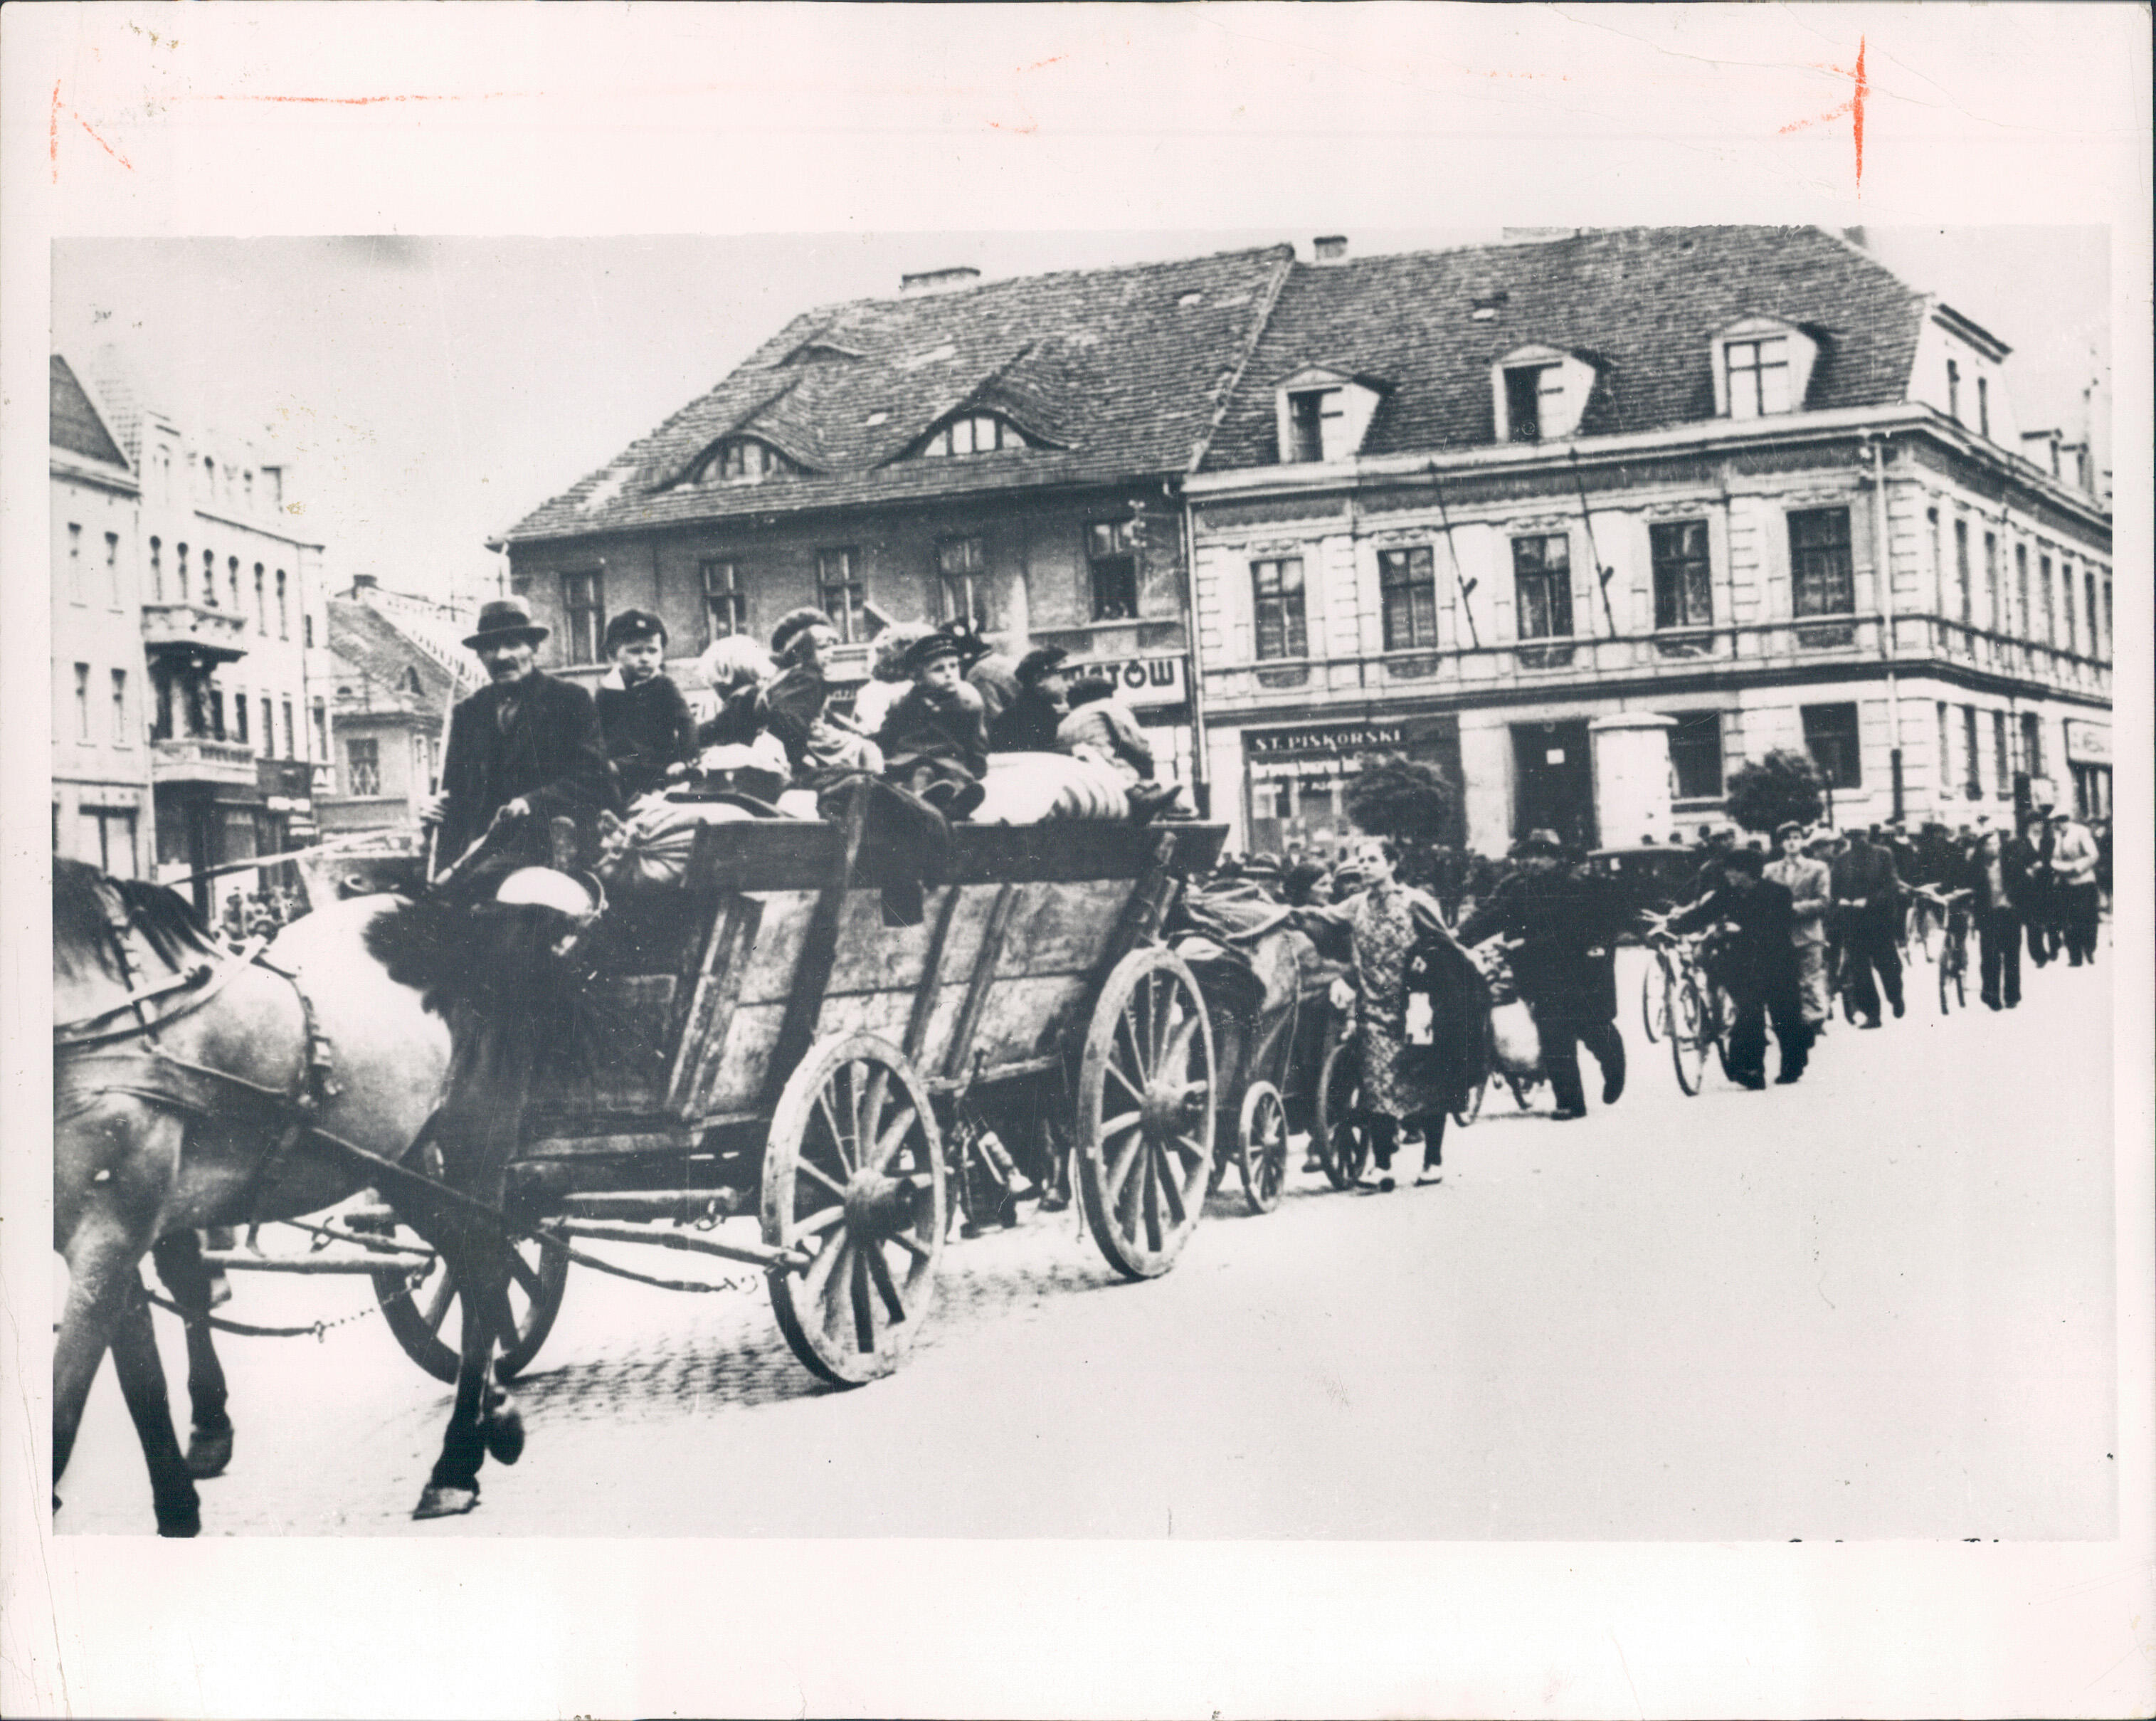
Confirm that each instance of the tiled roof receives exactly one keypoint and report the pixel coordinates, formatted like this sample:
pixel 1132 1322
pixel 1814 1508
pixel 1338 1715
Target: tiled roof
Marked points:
pixel 375 647
pixel 76 426
pixel 1118 373
pixel 1641 303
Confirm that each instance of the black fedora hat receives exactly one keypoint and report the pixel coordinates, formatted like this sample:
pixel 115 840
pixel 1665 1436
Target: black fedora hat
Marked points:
pixel 505 619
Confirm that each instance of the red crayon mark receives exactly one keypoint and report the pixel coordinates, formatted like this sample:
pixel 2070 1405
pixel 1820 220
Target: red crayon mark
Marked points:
pixel 368 100
pixel 55 132
pixel 1854 107
pixel 1052 59
pixel 53 137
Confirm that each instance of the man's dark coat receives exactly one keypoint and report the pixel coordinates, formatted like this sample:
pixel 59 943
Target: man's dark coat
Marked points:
pixel 549 753
pixel 1568 921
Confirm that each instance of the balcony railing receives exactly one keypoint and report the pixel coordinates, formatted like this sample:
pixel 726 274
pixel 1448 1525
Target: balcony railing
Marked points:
pixel 1663 654
pixel 219 633
pixel 199 760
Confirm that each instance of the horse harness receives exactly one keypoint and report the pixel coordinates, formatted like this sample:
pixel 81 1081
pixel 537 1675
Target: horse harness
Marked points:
pixel 99 1059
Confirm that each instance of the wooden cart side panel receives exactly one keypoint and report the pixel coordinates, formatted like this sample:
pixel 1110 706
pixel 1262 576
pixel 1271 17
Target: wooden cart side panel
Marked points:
pixel 718 991
pixel 1016 1017
pixel 769 855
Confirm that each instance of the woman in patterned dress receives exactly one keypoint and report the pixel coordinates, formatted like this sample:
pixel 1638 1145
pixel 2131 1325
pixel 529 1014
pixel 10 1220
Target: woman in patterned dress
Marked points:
pixel 1374 931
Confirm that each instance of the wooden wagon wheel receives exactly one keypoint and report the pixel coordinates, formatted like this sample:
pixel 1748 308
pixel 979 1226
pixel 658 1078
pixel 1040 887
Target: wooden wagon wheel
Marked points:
pixel 1145 1123
pixel 854 1171
pixel 1342 1130
pixel 420 1316
pixel 1261 1144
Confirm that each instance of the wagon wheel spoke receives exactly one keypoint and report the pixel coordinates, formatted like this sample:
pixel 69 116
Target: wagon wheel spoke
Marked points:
pixel 1119 1172
pixel 1124 1082
pixel 1171 1189
pixel 1141 1065
pixel 831 1123
pixel 819 1222
pixel 869 1106
pixel 894 1305
pixel 894 1136
pixel 1152 1203
pixel 437 1305
pixel 525 1275
pixel 911 1244
pixel 863 1309
pixel 816 1280
pixel 1188 1148
pixel 809 1168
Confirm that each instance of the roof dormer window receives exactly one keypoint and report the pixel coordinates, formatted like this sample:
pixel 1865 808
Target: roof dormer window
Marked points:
pixel 1763 366
pixel 1540 393
pixel 1324 413
pixel 746 459
pixel 975 434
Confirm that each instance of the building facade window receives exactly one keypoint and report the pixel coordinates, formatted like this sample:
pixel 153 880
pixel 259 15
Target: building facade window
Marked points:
pixel 1972 752
pixel 1684 577
pixel 1111 560
pixel 232 578
pixel 583 606
pixel 2071 627
pixel 112 594
pixel 322 737
pixel 82 703
pixel 744 458
pixel 291 734
pixel 1529 390
pixel 2051 605
pixel 119 735
pixel 961 576
pixel 362 766
pixel 239 719
pixel 1822 580
pixel 307 626
pixel 2107 617
pixel 975 434
pixel 1954 390
pixel 180 561
pixel 1276 607
pixel 2021 612
pixel 74 563
pixel 1962 586
pixel 157 570
pixel 2097 639
pixel 725 604
pixel 842 594
pixel 269 730
pixel 217 713
pixel 1983 406
pixel 1993 597
pixel 1758 377
pixel 2032 744
pixel 2002 756
pixel 1407 580
pixel 1830 737
pixel 1308 412
pixel 284 613
pixel 1696 755
pixel 1541 586
pixel 1946 751
pixel 261 601
pixel 209 579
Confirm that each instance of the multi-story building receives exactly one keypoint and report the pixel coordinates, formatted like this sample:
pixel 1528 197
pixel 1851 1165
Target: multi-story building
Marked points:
pixel 395 675
pixel 1011 450
pixel 233 619
pixel 1591 522
pixel 102 807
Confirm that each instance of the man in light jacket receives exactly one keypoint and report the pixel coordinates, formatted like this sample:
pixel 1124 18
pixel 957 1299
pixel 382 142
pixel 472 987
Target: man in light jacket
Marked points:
pixel 2073 872
pixel 1809 884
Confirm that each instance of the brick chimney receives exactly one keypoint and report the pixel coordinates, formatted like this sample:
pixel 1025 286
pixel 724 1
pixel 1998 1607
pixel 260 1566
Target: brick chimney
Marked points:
pixel 1330 248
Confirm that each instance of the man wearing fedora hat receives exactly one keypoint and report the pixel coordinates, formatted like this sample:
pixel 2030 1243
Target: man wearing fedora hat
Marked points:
pixel 524 749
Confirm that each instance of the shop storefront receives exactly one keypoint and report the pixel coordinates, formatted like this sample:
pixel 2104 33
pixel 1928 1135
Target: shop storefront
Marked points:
pixel 1295 779
pixel 2088 756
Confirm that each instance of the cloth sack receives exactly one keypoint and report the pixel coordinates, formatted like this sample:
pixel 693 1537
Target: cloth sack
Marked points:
pixel 1031 788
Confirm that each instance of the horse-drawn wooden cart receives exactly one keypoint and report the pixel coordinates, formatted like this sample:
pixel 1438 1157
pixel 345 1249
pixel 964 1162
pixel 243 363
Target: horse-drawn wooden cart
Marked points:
pixel 781 1053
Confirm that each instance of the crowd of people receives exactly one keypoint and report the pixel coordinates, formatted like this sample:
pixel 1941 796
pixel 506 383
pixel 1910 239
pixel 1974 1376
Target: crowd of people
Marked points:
pixel 1825 915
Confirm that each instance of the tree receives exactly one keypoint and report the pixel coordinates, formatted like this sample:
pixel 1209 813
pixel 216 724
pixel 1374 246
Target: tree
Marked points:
pixel 1400 798
pixel 1772 791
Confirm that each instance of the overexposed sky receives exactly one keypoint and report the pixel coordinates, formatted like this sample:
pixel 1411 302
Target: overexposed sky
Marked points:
pixel 426 393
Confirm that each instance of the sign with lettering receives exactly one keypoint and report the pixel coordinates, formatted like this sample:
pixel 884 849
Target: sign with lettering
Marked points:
pixel 2088 744
pixel 1145 682
pixel 1322 741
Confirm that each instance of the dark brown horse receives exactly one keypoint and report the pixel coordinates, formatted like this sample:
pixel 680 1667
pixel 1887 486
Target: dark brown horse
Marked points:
pixel 193 1088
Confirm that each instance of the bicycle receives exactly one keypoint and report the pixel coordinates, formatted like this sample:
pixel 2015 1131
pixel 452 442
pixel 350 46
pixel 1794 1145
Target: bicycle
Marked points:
pixel 1923 922
pixel 1701 1013
pixel 1953 952
pixel 1659 981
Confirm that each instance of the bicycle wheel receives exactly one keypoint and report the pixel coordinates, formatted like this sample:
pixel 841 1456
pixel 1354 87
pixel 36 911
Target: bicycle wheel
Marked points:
pixel 1926 936
pixel 1342 1132
pixel 1723 1009
pixel 1654 996
pixel 1687 1025
pixel 1958 939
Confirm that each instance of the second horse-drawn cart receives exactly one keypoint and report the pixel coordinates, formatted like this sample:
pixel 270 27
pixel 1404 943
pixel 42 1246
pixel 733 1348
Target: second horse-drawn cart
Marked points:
pixel 783 1057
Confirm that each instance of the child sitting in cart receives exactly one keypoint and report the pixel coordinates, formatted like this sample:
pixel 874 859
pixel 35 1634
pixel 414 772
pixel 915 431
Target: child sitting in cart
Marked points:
pixel 650 736
pixel 935 738
pixel 794 705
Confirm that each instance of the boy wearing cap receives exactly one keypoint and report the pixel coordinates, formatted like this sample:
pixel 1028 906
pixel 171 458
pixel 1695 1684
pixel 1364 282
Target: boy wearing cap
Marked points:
pixel 650 735
pixel 935 738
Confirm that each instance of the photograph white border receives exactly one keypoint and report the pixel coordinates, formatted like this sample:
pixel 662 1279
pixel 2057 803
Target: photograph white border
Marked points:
pixel 364 118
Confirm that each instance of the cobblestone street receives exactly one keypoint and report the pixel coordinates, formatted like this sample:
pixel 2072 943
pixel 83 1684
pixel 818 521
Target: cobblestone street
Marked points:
pixel 1878 1304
